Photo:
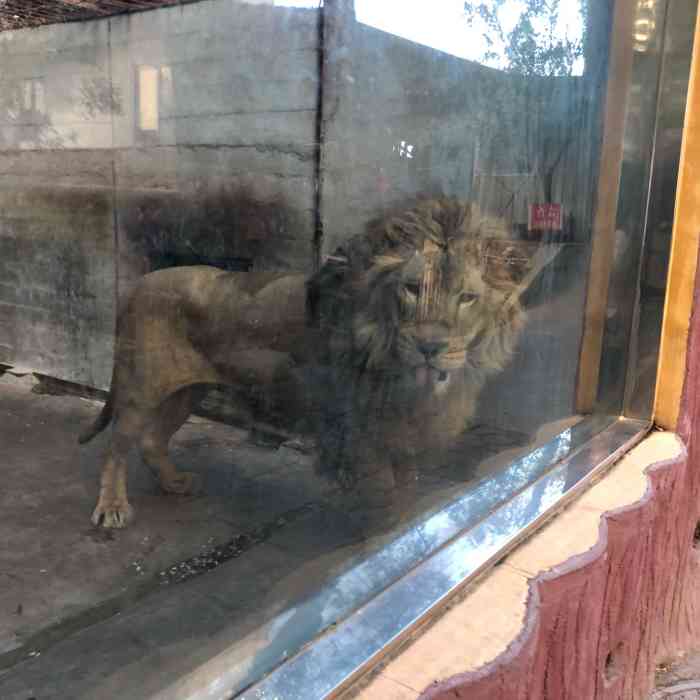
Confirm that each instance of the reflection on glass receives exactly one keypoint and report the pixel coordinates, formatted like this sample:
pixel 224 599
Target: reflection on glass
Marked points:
pixel 322 271
pixel 148 98
pixel 645 24
pixel 646 206
pixel 491 32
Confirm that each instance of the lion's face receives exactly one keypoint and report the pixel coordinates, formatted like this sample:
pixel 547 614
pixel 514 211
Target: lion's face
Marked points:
pixel 440 297
pixel 414 315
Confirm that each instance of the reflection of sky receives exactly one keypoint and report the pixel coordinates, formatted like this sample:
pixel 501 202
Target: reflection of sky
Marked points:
pixel 442 24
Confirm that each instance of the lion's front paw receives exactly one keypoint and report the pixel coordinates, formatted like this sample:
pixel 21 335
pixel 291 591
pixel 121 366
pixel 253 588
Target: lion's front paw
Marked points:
pixel 112 514
pixel 183 484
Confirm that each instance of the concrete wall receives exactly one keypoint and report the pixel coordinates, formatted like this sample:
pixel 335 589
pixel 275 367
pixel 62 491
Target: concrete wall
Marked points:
pixel 90 200
pixel 238 91
pixel 57 282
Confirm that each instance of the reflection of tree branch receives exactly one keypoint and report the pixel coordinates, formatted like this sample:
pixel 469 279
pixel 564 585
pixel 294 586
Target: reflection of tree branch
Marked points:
pixel 524 49
pixel 533 59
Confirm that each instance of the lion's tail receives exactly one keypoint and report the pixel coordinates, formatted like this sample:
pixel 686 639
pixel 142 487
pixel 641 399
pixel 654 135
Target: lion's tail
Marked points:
pixel 107 412
pixel 101 422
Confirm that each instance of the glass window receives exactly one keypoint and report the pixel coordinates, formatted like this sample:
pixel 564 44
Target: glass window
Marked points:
pixel 148 98
pixel 327 292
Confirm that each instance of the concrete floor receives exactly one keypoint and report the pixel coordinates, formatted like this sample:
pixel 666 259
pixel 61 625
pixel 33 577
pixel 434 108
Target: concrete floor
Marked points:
pixel 61 577
pixel 54 563
pixel 88 613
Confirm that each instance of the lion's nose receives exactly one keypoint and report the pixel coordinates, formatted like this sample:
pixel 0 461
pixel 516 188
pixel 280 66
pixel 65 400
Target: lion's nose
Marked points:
pixel 430 348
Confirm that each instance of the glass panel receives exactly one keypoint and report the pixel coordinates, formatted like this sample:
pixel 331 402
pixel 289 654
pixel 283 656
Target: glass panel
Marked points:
pixel 654 127
pixel 646 218
pixel 660 208
pixel 312 286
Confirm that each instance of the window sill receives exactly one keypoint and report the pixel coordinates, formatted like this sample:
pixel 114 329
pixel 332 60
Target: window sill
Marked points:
pixel 485 626
pixel 465 547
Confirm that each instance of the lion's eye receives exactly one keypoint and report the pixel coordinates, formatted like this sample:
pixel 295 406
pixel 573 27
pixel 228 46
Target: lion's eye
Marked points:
pixel 466 298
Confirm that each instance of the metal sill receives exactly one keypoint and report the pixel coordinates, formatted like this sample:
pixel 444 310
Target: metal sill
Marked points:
pixel 463 539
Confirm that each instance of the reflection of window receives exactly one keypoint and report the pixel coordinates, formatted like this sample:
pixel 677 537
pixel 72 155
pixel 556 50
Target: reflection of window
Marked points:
pixel 148 98
pixel 154 100
pixel 33 97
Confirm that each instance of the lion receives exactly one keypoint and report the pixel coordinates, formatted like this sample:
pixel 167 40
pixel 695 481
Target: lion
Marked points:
pixel 384 351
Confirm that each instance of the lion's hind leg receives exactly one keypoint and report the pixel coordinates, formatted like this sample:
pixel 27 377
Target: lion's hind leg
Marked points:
pixel 113 509
pixel 170 416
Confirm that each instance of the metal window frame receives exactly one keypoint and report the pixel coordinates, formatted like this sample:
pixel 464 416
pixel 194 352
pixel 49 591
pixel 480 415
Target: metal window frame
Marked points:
pixel 468 535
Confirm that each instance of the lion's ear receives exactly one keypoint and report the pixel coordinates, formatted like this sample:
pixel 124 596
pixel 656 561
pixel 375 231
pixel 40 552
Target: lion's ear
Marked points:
pixel 539 260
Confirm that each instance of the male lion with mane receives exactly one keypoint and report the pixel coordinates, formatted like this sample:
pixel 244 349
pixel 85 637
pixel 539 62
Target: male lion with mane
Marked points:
pixel 385 350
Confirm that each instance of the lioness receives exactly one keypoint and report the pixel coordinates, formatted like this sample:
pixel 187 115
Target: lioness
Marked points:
pixel 390 343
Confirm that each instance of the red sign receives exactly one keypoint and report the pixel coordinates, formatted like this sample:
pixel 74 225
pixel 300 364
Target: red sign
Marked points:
pixel 544 217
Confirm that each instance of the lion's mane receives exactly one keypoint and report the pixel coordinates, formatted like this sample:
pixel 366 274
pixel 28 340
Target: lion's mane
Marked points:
pixel 355 300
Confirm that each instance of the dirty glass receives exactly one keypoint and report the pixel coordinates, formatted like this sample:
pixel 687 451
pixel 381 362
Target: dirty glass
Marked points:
pixel 292 292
